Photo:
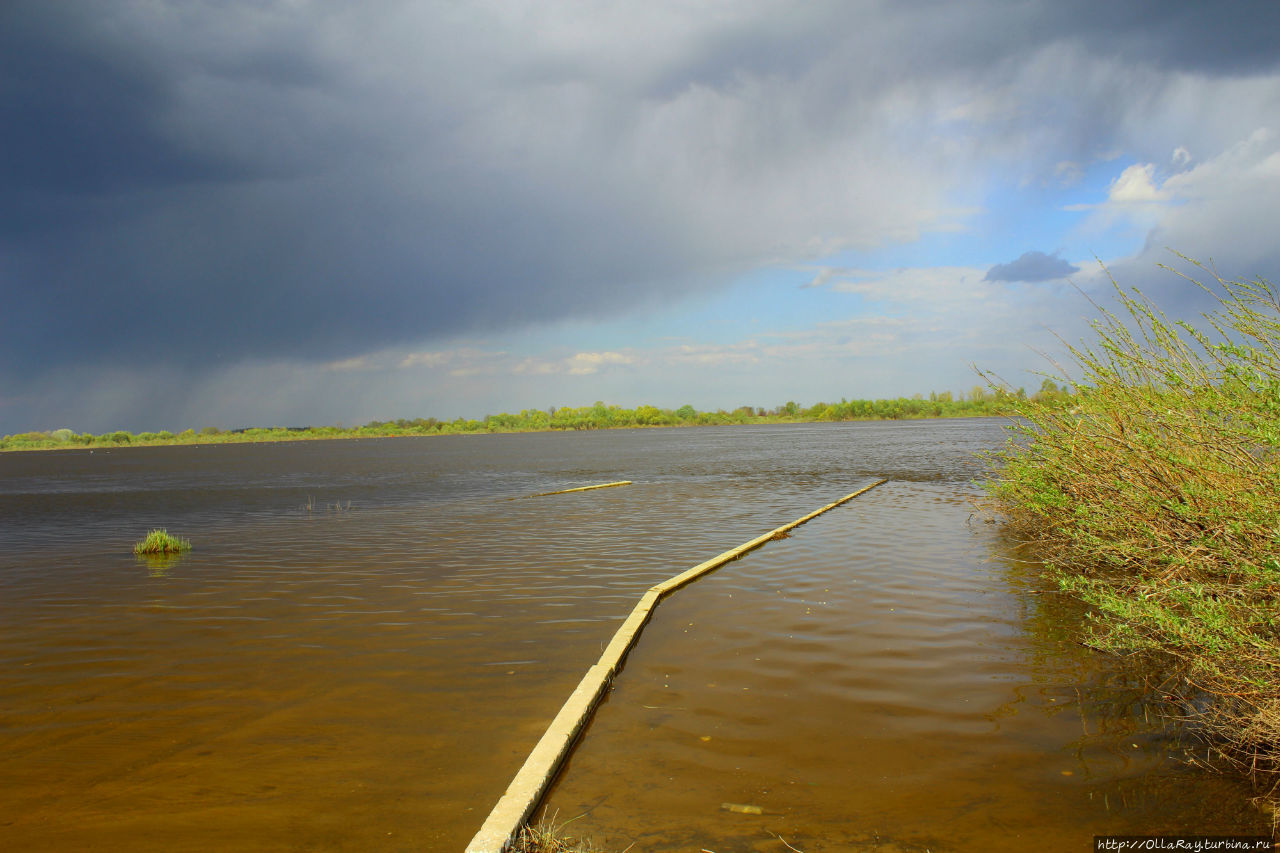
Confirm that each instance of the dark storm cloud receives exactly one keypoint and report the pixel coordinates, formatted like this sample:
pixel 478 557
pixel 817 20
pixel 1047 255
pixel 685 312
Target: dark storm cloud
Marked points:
pixel 155 209
pixel 193 183
pixel 1031 266
pixel 1232 37
pixel 132 237
pixel 79 117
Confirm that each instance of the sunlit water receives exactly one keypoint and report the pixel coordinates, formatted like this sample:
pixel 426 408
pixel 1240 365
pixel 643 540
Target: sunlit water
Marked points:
pixel 369 636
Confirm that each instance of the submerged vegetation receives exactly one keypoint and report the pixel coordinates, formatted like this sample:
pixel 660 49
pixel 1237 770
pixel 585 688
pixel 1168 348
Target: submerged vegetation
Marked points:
pixel 160 543
pixel 980 402
pixel 1155 498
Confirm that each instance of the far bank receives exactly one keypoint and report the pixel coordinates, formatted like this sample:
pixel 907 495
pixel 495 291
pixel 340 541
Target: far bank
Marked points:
pixel 596 417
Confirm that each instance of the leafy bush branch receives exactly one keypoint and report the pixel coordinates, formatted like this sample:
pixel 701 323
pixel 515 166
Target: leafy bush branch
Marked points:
pixel 1154 496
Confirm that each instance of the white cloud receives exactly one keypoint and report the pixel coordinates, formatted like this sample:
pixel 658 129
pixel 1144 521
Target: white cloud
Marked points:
pixel 1067 173
pixel 983 108
pixel 1222 208
pixel 1136 184
pixel 825 274
pixel 1256 158
pixel 461 361
pixel 536 367
pixel 1224 213
pixel 584 363
pixel 713 355
pixel 426 359
pixel 578 364
pixel 927 286
pixel 350 364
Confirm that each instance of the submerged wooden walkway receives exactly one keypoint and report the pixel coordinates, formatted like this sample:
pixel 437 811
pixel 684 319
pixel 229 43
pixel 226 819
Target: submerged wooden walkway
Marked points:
pixel 536 775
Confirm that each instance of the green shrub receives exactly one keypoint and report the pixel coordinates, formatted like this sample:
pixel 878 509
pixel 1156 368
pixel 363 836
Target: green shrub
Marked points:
pixel 1155 498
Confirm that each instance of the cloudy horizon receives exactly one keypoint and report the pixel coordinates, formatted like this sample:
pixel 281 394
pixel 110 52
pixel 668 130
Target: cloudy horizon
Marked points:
pixel 292 212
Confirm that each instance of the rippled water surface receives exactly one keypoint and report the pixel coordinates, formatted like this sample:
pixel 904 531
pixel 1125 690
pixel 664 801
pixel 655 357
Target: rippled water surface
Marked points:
pixel 369 636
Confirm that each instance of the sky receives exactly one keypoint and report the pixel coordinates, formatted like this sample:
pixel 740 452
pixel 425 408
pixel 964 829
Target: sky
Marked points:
pixel 305 212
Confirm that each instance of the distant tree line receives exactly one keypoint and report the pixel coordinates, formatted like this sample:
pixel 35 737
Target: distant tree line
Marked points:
pixel 980 402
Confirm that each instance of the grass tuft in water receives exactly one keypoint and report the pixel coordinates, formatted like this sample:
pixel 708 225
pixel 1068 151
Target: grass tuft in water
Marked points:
pixel 1153 492
pixel 546 836
pixel 159 542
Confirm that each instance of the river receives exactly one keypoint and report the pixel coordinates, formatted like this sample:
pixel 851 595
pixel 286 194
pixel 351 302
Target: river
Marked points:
pixel 369 635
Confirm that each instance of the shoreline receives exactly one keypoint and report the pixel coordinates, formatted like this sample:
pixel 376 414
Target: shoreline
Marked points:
pixel 268 435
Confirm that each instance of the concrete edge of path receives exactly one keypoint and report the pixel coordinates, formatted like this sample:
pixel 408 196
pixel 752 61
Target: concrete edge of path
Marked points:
pixel 539 769
pixel 578 489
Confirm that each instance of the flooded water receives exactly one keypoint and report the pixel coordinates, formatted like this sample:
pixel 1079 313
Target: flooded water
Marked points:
pixel 369 636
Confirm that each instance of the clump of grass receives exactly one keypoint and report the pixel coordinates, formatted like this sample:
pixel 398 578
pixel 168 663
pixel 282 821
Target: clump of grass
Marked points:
pixel 546 836
pixel 159 542
pixel 1154 496
pixel 310 506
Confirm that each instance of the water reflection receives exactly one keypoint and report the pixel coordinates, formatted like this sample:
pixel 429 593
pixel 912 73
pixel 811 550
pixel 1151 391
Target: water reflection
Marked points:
pixel 158 565
pixel 1132 747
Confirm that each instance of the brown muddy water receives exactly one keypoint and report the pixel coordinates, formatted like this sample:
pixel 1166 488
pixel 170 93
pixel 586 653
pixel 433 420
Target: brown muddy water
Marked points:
pixel 312 677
